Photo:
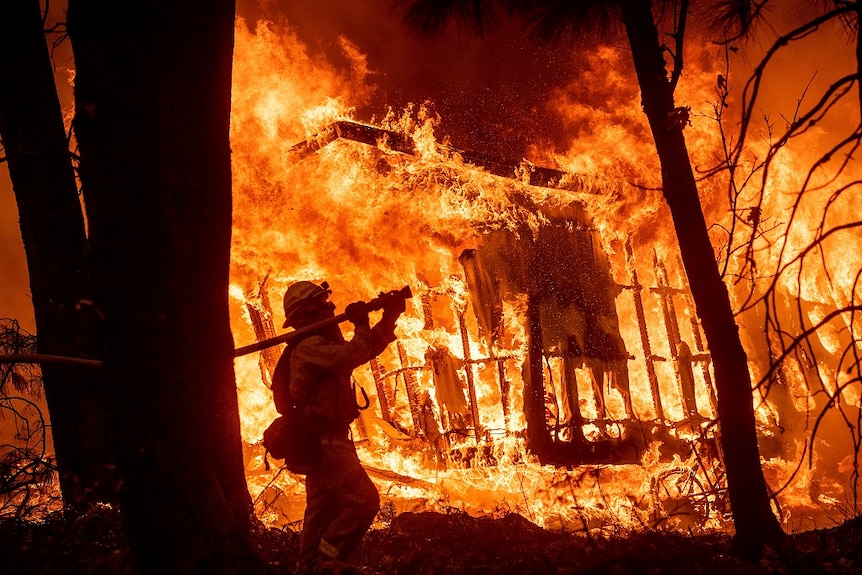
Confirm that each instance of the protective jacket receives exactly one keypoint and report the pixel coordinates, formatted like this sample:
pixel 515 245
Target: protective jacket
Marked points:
pixel 320 374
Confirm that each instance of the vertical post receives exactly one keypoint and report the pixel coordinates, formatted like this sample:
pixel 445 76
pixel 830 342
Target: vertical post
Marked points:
pixel 427 310
pixel 412 388
pixel 538 440
pixel 468 369
pixel 504 386
pixel 570 384
pixel 261 321
pixel 681 365
pixel 701 352
pixel 382 392
pixel 649 359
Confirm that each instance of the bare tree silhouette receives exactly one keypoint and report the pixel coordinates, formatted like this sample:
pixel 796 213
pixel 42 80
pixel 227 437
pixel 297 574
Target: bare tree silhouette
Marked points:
pixel 774 294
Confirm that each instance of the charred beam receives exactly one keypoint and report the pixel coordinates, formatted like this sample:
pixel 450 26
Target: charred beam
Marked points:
pixel 399 142
pixel 534 387
pixel 260 313
pixel 649 359
pixel 702 355
pixel 468 369
pixel 412 388
pixel 382 391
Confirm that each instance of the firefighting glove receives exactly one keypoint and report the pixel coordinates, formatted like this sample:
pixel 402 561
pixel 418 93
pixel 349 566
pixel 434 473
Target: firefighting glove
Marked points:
pixel 357 314
pixel 394 306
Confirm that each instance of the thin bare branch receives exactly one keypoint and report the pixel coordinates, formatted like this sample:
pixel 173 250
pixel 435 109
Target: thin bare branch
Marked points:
pixel 752 87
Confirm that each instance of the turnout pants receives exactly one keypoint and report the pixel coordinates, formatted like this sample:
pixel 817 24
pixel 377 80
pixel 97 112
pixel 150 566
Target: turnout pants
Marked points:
pixel 341 503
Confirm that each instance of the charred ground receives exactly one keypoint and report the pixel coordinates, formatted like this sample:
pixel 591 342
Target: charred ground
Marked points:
pixel 455 543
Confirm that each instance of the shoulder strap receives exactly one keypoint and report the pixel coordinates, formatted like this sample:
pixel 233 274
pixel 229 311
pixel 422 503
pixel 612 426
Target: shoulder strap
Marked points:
pixel 281 380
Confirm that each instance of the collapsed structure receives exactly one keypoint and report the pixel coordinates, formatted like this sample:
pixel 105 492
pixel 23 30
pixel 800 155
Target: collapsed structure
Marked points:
pixel 545 286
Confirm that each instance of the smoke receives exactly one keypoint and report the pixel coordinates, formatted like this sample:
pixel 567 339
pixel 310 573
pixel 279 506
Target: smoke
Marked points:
pixel 489 92
pixel 492 93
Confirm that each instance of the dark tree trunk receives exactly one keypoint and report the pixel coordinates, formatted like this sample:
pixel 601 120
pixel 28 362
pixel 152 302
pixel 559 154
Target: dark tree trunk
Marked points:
pixel 52 227
pixel 152 95
pixel 859 54
pixel 753 518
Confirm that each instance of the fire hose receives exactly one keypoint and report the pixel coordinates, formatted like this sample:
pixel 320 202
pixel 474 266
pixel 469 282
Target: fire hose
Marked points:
pixel 375 304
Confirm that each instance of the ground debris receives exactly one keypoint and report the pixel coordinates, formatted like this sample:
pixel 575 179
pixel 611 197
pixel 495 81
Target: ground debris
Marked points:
pixel 452 544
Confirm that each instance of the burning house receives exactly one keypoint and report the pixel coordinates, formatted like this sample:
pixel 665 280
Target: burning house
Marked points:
pixel 558 283
pixel 551 361
pixel 529 341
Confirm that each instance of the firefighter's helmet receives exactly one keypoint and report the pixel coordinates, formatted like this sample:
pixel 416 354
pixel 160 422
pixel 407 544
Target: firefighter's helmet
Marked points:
pixel 299 294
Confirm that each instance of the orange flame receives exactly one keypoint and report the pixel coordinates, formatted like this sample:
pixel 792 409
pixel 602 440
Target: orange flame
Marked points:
pixel 447 425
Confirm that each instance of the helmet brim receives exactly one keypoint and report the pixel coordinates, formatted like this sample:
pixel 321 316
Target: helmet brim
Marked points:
pixel 323 295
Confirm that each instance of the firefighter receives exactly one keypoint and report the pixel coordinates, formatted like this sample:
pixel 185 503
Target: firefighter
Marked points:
pixel 341 500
